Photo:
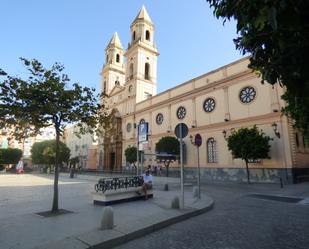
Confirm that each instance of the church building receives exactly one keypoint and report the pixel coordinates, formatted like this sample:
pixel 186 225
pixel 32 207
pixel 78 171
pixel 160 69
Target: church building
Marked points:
pixel 214 105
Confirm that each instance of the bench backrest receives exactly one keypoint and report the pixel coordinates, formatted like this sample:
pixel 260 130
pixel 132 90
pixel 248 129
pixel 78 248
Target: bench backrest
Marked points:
pixel 118 183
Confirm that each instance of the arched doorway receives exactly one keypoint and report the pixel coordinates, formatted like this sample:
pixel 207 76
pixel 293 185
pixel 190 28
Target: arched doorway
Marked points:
pixel 113 142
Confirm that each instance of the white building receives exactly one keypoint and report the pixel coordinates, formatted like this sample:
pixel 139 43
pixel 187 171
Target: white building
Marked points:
pixel 83 147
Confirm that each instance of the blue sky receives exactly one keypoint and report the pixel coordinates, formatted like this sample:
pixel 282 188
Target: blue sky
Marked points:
pixel 191 41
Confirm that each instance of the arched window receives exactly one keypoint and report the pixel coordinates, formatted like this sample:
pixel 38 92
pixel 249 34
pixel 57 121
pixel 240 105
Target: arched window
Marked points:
pixel 133 36
pixel 117 58
pixel 147 69
pixel 107 58
pixel 131 71
pixel 147 35
pixel 211 150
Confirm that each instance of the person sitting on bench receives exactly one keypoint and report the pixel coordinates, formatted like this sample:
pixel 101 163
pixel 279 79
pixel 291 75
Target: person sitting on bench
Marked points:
pixel 147 182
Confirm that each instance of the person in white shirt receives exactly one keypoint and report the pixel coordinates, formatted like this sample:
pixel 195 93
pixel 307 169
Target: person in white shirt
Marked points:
pixel 147 184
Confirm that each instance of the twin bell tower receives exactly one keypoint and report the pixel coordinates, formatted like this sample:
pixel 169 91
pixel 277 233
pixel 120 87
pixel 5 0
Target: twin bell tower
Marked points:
pixel 133 72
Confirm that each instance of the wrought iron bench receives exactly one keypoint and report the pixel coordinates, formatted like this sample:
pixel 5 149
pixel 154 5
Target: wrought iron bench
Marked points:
pixel 118 189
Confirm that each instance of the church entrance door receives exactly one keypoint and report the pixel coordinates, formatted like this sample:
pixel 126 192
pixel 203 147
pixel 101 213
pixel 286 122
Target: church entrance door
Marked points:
pixel 112 161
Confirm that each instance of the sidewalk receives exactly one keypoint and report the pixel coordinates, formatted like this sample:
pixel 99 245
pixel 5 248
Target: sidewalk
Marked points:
pixel 80 229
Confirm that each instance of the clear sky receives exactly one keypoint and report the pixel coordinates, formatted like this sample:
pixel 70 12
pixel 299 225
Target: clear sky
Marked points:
pixel 191 41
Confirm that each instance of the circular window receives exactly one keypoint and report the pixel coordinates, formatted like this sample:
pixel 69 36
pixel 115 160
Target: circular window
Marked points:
pixel 159 118
pixel 209 105
pixel 247 94
pixel 142 121
pixel 129 126
pixel 181 112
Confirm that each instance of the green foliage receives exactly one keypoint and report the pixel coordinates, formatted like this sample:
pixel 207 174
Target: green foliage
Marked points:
pixel 275 33
pixel 249 144
pixel 46 98
pixel 37 152
pixel 297 108
pixel 167 145
pixel 131 154
pixel 10 156
pixel 74 161
pixel 45 152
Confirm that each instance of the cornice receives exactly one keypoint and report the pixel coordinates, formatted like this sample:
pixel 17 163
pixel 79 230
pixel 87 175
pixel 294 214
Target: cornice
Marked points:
pixel 108 67
pixel 143 45
pixel 261 119
pixel 198 91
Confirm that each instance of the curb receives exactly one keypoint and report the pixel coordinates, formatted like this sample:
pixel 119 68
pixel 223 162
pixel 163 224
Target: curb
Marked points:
pixel 95 239
pixel 151 228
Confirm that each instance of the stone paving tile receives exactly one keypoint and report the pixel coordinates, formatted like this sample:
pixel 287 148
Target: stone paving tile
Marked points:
pixel 238 222
pixel 21 228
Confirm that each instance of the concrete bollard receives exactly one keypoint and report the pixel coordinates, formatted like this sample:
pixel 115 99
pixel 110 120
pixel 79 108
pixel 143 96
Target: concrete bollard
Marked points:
pixel 107 221
pixel 165 187
pixel 175 203
pixel 195 192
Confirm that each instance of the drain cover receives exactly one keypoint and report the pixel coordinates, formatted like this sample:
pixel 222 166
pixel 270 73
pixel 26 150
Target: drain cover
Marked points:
pixel 277 198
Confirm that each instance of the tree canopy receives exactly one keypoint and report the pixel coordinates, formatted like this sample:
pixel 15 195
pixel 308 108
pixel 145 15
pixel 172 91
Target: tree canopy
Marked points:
pixel 276 34
pixel 46 98
pixel 169 148
pixel 73 161
pixel 131 154
pixel 45 152
pixel 10 155
pixel 249 144
pixel 169 145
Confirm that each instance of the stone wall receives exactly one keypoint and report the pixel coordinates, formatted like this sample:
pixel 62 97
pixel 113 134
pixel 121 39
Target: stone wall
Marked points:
pixel 235 174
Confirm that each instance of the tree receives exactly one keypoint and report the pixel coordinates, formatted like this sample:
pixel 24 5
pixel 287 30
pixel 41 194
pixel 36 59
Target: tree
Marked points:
pixel 10 156
pixel 73 162
pixel 249 144
pixel 45 98
pixel 131 154
pixel 169 148
pixel 37 152
pixel 276 34
pixel 45 152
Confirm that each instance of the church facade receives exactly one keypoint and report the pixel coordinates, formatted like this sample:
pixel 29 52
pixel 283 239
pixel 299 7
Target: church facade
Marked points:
pixel 214 105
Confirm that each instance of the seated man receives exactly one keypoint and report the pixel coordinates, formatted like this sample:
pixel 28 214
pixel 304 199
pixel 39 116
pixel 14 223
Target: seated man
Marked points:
pixel 147 184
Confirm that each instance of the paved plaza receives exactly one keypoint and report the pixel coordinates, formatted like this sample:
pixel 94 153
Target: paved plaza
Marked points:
pixel 238 221
pixel 22 196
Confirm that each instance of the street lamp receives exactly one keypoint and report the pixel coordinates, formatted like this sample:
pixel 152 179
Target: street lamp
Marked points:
pixel 275 128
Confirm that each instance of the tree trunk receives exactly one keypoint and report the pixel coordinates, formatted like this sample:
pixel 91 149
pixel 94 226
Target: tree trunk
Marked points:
pixel 248 173
pixel 167 168
pixel 55 198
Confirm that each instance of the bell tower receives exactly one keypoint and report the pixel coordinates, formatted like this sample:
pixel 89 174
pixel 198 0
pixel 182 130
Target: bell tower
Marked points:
pixel 141 55
pixel 113 72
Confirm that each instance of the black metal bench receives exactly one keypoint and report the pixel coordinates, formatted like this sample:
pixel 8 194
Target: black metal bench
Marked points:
pixel 118 189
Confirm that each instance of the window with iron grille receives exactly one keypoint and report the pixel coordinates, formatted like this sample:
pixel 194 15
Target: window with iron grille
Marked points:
pixel 211 150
